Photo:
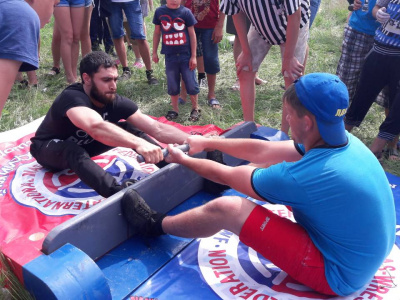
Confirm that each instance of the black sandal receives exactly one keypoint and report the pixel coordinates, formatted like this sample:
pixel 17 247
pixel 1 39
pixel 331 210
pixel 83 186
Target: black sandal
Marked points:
pixel 195 115
pixel 171 115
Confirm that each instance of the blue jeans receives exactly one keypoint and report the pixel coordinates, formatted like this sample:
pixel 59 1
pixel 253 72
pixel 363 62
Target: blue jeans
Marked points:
pixel 175 66
pixel 133 13
pixel 209 50
pixel 314 6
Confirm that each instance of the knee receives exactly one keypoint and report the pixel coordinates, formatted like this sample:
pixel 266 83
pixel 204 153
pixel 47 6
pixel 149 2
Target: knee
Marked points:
pixel 226 207
pixel 68 38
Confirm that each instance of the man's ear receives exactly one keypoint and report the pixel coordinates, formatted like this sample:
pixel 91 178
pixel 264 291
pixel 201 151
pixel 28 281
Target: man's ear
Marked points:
pixel 309 122
pixel 86 78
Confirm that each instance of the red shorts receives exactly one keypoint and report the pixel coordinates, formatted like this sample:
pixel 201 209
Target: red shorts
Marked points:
pixel 288 246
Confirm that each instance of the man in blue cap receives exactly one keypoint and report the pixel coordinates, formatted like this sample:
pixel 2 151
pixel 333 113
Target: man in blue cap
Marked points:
pixel 330 180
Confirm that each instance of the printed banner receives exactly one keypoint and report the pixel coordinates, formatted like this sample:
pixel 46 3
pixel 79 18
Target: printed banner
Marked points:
pixel 33 198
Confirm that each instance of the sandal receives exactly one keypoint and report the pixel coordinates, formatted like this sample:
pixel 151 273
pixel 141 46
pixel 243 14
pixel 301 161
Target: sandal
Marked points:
pixel 214 103
pixel 195 115
pixel 53 71
pixel 171 115
pixel 181 101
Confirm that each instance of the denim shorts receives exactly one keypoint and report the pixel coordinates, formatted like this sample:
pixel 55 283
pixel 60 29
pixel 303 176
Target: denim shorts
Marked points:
pixel 133 13
pixel 175 66
pixel 88 3
pixel 208 50
pixel 72 3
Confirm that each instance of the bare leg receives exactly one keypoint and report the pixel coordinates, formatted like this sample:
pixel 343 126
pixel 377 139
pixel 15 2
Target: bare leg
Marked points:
pixel 194 100
pixel 145 53
pixel 8 73
pixel 229 212
pixel 86 44
pixel 77 19
pixel 32 78
pixel 211 78
pixel 69 22
pixel 121 51
pixel 377 145
pixel 247 94
pixel 56 46
pixel 174 103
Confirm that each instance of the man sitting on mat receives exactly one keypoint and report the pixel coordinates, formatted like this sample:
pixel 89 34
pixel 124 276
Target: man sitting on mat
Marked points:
pixel 85 120
pixel 335 186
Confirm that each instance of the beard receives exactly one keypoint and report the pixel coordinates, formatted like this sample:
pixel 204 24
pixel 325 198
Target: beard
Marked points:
pixel 104 98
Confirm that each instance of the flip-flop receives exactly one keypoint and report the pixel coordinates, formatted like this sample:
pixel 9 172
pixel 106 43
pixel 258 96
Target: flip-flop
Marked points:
pixel 171 115
pixel 195 115
pixel 214 103
pixel 181 101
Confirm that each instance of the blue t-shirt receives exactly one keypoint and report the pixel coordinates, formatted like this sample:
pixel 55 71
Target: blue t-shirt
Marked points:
pixel 388 34
pixel 362 19
pixel 174 32
pixel 341 196
pixel 19 33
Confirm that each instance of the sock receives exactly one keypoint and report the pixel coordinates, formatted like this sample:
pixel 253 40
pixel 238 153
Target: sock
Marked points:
pixel 149 73
pixel 201 76
pixel 156 229
pixel 211 186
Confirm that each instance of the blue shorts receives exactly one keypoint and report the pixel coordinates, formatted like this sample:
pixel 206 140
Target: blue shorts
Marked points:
pixel 133 13
pixel 88 3
pixel 175 66
pixel 19 34
pixel 72 3
pixel 208 50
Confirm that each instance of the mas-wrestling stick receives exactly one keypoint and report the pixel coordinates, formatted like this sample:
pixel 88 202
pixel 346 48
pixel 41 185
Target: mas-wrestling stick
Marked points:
pixel 184 148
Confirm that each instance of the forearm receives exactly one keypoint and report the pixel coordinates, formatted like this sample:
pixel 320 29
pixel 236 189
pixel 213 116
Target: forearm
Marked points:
pixel 114 136
pixel 292 34
pixel 221 21
pixel 240 24
pixel 193 41
pixel 207 168
pixel 253 150
pixel 168 134
pixel 156 40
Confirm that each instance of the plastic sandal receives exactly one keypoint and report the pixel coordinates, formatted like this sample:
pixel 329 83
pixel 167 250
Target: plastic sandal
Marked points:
pixel 171 115
pixel 195 115
pixel 214 103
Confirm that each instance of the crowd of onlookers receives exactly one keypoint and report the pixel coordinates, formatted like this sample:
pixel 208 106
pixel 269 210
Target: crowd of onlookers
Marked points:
pixel 189 32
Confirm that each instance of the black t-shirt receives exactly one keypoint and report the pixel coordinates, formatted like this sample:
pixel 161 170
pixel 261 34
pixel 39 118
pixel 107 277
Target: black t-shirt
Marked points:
pixel 56 124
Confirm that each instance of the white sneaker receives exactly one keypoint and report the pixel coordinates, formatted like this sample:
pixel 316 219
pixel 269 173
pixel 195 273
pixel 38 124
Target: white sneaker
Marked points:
pixel 203 84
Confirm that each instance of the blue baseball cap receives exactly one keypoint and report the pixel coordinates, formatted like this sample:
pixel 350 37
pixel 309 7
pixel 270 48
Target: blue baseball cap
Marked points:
pixel 327 98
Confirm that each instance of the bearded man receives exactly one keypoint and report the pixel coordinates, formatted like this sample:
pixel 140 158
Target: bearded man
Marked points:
pixel 90 118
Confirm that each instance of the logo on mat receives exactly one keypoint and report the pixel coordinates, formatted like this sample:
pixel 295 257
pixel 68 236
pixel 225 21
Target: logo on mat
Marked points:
pixel 235 271
pixel 63 193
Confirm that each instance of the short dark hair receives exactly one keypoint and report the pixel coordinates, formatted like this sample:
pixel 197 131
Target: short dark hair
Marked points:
pixel 91 63
pixel 290 96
